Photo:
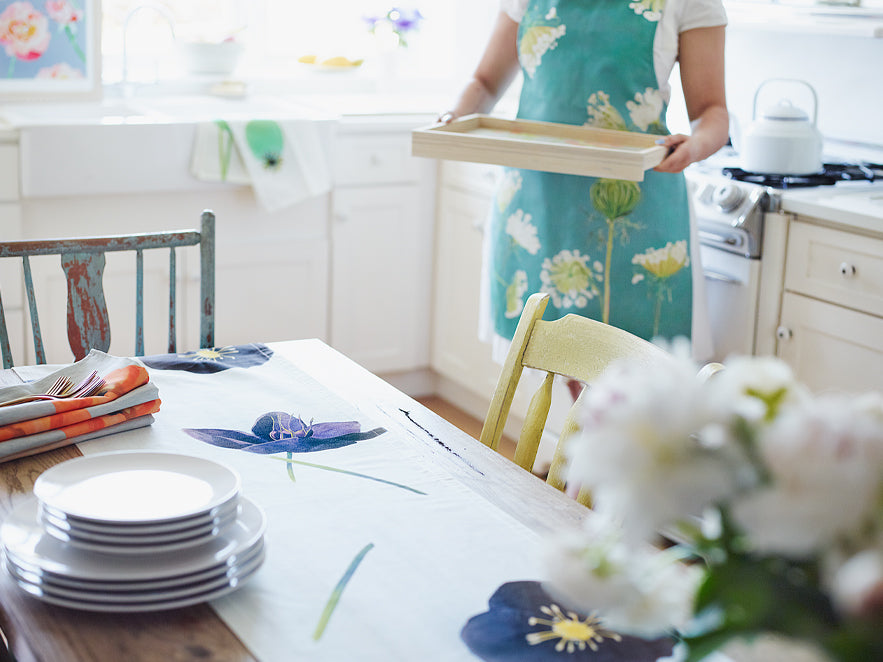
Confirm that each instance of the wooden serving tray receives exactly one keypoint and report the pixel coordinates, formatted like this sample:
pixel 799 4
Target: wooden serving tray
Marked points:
pixel 546 146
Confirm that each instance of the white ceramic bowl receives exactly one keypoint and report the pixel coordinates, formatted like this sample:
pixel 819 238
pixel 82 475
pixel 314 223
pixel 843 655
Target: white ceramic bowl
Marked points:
pixel 211 58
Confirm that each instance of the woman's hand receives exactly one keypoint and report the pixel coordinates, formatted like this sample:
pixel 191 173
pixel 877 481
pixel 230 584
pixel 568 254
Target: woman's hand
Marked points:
pixel 681 153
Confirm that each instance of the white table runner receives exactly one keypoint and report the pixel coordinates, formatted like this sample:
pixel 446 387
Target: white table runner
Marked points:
pixel 429 561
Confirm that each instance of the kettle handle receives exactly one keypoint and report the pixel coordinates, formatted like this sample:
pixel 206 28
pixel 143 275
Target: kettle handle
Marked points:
pixel 815 98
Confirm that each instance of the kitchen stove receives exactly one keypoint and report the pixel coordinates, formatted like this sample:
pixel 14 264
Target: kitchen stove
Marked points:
pixel 731 207
pixel 831 173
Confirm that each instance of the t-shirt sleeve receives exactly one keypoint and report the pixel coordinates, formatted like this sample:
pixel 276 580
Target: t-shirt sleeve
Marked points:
pixel 700 14
pixel 514 8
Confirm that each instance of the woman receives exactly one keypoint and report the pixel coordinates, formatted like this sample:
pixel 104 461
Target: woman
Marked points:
pixel 612 250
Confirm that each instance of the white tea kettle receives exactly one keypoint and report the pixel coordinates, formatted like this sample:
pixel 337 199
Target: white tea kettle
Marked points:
pixel 783 141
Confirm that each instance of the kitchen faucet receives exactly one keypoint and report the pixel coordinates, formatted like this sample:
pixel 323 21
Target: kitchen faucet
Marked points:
pixel 162 11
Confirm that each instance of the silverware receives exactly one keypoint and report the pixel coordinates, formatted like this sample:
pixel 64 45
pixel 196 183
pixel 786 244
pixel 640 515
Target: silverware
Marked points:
pixel 63 389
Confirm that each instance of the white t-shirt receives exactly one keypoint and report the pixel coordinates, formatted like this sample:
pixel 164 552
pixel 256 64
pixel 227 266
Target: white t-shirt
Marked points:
pixel 678 16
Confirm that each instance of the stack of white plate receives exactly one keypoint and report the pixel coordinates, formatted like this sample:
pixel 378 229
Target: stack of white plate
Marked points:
pixel 134 531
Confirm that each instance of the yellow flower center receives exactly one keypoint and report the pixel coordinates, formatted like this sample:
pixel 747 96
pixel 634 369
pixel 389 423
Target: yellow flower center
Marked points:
pixel 570 632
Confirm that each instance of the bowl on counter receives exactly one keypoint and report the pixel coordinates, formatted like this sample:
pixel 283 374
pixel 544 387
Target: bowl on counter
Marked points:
pixel 217 58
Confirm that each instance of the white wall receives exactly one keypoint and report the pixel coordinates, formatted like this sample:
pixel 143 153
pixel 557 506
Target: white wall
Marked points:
pixel 846 72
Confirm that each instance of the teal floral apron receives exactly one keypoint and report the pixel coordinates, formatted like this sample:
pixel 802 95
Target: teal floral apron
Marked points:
pixel 612 250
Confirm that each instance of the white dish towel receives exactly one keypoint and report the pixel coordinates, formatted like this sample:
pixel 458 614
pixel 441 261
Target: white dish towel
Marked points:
pixel 284 161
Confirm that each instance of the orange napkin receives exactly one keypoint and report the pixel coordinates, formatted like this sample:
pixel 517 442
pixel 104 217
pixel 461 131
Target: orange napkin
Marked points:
pixel 124 419
pixel 72 411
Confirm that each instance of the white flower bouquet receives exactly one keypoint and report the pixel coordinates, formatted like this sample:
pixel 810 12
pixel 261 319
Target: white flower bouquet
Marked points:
pixel 774 496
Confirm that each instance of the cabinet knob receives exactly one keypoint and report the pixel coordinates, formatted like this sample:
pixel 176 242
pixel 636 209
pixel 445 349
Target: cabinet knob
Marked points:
pixel 847 270
pixel 783 333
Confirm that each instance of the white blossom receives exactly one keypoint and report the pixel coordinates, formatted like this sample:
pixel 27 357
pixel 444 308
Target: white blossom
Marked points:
pixel 523 232
pixel 825 477
pixel 638 450
pixel 635 590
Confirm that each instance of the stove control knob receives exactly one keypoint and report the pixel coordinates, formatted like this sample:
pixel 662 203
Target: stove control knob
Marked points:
pixel 728 197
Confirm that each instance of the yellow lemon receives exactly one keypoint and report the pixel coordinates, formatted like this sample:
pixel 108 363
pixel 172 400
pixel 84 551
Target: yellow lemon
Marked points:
pixel 338 61
pixel 307 59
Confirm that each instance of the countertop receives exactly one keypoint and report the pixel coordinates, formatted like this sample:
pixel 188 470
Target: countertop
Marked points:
pixel 858 205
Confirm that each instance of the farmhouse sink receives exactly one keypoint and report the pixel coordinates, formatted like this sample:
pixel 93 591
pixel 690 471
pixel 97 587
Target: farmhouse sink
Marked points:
pixel 126 145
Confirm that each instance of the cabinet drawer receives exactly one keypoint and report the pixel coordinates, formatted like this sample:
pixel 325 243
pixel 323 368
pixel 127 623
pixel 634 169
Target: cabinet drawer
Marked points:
pixel 836 266
pixel 374 159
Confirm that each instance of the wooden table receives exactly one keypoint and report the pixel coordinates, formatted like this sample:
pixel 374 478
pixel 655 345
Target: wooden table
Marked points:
pixel 37 631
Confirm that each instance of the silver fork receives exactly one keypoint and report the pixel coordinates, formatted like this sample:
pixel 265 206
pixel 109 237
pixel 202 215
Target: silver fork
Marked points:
pixel 61 390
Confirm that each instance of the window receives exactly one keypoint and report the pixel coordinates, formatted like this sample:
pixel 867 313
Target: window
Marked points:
pixel 275 34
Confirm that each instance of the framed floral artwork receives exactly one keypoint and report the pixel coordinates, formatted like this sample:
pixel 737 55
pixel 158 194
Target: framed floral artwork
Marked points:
pixel 50 49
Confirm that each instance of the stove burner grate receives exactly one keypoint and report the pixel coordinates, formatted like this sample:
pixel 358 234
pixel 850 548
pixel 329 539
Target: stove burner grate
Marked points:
pixel 830 174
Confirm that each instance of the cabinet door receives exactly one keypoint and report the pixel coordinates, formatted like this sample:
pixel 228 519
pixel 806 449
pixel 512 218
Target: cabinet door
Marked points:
pixel 830 347
pixel 380 271
pixel 457 352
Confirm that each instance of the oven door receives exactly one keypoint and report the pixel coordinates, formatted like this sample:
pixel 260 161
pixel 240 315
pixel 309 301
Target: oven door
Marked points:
pixel 732 283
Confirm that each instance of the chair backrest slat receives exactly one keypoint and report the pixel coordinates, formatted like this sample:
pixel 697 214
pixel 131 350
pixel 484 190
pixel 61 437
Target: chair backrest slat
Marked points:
pixel 39 352
pixel 139 302
pixel 83 261
pixel 207 280
pixel 5 347
pixel 173 289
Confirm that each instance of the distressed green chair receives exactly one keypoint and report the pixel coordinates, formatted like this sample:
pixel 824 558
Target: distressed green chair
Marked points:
pixel 83 262
pixel 574 347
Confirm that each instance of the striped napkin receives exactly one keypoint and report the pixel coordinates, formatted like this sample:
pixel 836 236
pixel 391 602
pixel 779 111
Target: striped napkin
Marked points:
pixel 127 401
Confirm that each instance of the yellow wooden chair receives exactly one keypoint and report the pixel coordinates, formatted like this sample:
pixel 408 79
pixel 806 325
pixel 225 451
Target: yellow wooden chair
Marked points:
pixel 575 347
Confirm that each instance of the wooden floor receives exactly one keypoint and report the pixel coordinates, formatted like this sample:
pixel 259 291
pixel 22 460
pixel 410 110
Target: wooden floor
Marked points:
pixel 469 424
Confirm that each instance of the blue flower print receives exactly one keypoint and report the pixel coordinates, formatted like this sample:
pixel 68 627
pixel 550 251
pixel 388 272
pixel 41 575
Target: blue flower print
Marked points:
pixel 523 623
pixel 211 359
pixel 278 432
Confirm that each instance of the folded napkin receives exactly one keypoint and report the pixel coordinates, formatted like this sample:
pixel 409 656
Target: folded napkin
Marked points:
pixel 124 419
pixel 127 400
pixel 283 160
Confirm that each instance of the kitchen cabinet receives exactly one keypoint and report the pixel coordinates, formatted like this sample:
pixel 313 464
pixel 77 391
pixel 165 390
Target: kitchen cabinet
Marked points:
pixel 465 196
pixel 381 236
pixel 831 324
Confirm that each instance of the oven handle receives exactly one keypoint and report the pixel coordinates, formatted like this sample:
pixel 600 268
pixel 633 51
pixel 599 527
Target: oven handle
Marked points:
pixel 734 240
pixel 721 278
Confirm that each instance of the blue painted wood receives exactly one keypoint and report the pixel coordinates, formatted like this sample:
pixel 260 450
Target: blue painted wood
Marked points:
pixel 207 280
pixel 39 352
pixel 139 303
pixel 88 322
pixel 5 347
pixel 83 262
pixel 173 280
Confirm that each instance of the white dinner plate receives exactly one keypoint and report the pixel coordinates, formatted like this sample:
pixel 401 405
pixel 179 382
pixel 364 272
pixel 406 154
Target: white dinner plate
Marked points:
pixel 22 536
pixel 123 545
pixel 136 487
pixel 150 541
pixel 69 523
pixel 183 590
pixel 144 606
pixel 35 575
